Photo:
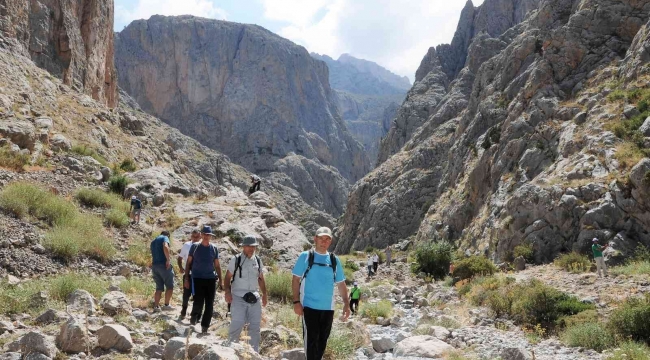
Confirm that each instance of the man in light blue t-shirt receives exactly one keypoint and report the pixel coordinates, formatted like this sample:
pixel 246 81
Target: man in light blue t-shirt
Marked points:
pixel 315 275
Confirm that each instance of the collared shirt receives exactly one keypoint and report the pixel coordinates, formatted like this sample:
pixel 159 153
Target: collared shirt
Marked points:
pixel 185 252
pixel 250 273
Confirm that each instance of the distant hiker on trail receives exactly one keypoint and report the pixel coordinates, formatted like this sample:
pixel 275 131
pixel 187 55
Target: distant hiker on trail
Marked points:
pixel 315 275
pixel 370 263
pixel 355 295
pixel 161 268
pixel 375 263
pixel 598 256
pixel 245 291
pixel 256 184
pixel 389 253
pixel 136 207
pixel 201 274
pixel 182 261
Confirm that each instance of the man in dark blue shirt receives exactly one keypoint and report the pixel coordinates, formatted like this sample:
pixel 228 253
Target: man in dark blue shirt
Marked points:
pixel 161 268
pixel 136 207
pixel 201 273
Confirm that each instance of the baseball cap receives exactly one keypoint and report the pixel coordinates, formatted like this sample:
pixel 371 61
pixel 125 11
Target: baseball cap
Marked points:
pixel 324 231
pixel 595 239
pixel 249 240
pixel 355 283
pixel 133 197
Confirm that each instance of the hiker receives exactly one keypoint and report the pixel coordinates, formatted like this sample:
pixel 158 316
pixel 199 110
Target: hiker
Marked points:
pixel 370 263
pixel 389 253
pixel 355 295
pixel 256 184
pixel 134 209
pixel 195 237
pixel 201 274
pixel 375 262
pixel 598 256
pixel 243 284
pixel 162 271
pixel 315 275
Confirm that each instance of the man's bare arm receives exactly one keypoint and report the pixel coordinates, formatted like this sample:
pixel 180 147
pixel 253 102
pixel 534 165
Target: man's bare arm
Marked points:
pixel 179 261
pixel 167 256
pixel 262 283
pixel 217 267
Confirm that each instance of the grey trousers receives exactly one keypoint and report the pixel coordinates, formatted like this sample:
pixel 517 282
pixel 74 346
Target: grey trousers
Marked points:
pixel 242 313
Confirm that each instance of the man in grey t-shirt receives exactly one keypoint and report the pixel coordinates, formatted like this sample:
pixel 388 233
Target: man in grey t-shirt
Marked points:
pixel 243 284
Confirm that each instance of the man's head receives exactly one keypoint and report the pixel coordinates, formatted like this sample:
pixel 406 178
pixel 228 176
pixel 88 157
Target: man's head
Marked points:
pixel 206 233
pixel 196 235
pixel 323 239
pixel 249 245
pixel 594 240
pixel 133 197
pixel 165 233
pixel 354 284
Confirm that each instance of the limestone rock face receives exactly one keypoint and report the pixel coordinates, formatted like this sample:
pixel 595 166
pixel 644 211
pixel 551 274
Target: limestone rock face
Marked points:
pixel 489 155
pixel 239 89
pixel 72 39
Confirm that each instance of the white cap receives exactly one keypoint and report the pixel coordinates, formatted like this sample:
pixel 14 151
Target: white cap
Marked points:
pixel 595 239
pixel 133 197
pixel 324 231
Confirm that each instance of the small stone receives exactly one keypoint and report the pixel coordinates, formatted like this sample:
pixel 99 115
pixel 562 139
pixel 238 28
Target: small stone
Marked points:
pixel 114 337
pixel 515 354
pixel 293 354
pixel 382 344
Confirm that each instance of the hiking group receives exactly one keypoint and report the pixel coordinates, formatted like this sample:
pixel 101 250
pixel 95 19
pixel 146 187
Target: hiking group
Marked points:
pixel 317 273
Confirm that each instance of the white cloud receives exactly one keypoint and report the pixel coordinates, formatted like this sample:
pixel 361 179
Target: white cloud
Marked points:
pixel 395 34
pixel 144 9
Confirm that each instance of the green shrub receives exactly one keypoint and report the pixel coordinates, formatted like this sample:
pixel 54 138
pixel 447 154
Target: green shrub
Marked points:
pixel 24 198
pixel 118 183
pixel 588 335
pixel 633 268
pixel 61 286
pixel 286 317
pixel 117 218
pixel 587 316
pixel 138 289
pixel 370 249
pixel 642 253
pixel 473 266
pixel 573 262
pixel 85 150
pixel 383 308
pixel 81 235
pixel 630 320
pixel 630 350
pixel 99 198
pixel 349 275
pixel 433 258
pixel 342 344
pixel 128 165
pixel 139 254
pixel 13 160
pixel 278 285
pixel 351 264
pixel 524 250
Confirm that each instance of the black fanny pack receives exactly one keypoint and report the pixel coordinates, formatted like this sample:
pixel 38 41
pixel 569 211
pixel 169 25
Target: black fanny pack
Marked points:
pixel 250 298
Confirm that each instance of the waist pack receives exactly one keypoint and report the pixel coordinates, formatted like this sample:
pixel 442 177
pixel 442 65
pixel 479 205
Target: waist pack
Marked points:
pixel 250 298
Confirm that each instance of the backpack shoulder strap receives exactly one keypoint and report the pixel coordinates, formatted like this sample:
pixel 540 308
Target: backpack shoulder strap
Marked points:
pixel 334 264
pixel 310 263
pixel 259 264
pixel 237 266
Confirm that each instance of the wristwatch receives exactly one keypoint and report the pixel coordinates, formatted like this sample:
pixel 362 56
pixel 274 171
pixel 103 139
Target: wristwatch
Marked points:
pixel 296 302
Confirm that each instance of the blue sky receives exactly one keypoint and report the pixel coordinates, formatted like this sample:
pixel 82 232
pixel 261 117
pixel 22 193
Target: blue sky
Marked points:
pixel 395 34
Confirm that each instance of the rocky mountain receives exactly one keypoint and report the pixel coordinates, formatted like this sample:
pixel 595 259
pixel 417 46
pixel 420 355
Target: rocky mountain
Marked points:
pixel 367 95
pixel 536 139
pixel 71 39
pixel 244 91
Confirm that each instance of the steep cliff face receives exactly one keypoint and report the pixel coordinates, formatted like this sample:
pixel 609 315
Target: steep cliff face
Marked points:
pixel 72 39
pixel 244 91
pixel 367 96
pixel 525 144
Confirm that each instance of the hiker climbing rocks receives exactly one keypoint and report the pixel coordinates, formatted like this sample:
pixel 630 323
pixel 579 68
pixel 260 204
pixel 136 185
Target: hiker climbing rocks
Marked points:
pixel 375 262
pixel 598 256
pixel 256 184
pixel 355 296
pixel 315 275
pixel 182 261
pixel 134 209
pixel 389 254
pixel 245 291
pixel 201 275
pixel 370 263
pixel 162 271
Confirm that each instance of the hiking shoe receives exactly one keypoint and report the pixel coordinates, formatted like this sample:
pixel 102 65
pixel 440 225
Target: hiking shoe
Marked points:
pixel 167 308
pixel 204 330
pixel 192 322
pixel 157 309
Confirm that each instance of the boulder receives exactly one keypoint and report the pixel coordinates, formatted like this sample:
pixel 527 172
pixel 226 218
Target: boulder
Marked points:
pixel 59 142
pixel 580 118
pixel 116 337
pixel 217 352
pixel 36 343
pixel 132 123
pixel 158 199
pixel 175 349
pixel 36 356
pixel 81 301
pixel 382 344
pixel 272 216
pixel 19 132
pixel 440 332
pixel 6 326
pixel 293 354
pixel 10 356
pixel 645 128
pixel 515 354
pixel 422 346
pixel 630 111
pixel 520 263
pixel 73 337
pixel 154 351
pixel 172 346
pixel 115 302
pixel 279 335
pixel 106 173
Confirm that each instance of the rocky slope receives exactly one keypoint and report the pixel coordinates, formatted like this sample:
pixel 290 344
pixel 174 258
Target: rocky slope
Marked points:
pixel 517 147
pixel 367 95
pixel 248 93
pixel 72 39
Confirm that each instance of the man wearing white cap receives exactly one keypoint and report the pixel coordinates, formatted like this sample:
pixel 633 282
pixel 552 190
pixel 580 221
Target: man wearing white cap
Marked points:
pixel 136 206
pixel 315 275
pixel 598 256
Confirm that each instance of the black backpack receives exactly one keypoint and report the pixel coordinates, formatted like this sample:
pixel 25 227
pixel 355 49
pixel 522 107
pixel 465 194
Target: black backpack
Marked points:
pixel 238 266
pixel 310 263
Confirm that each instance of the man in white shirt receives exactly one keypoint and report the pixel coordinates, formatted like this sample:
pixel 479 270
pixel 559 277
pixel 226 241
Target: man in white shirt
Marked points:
pixel 375 263
pixel 370 262
pixel 182 260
